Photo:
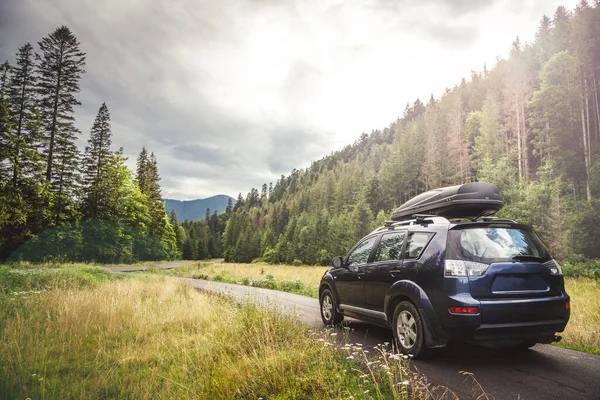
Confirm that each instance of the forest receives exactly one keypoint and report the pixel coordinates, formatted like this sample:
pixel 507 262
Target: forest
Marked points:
pixel 60 204
pixel 530 124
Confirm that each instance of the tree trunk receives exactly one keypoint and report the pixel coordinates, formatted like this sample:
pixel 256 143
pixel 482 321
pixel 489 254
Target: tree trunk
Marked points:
pixel 519 141
pixel 586 153
pixel 597 108
pixel 525 138
pixel 587 119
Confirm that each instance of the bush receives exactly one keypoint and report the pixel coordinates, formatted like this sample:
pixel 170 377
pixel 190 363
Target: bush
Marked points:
pixel 297 262
pixel 269 256
pixel 267 283
pixel 579 266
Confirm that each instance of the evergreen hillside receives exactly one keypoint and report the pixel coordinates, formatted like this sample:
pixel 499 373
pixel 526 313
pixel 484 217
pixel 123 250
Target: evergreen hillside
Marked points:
pixel 530 124
pixel 196 209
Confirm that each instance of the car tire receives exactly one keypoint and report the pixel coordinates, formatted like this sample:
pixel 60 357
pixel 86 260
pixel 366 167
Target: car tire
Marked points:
pixel 409 331
pixel 328 307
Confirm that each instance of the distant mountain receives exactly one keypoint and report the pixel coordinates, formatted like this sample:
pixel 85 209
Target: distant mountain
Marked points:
pixel 196 209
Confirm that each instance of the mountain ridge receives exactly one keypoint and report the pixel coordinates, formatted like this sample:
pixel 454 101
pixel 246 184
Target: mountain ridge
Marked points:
pixel 196 209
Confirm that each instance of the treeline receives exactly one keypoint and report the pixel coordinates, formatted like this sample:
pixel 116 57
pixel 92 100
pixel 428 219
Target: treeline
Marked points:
pixel 531 125
pixel 201 239
pixel 57 203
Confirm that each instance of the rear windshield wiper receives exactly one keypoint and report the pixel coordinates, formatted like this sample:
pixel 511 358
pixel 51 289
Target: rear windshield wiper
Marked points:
pixel 523 257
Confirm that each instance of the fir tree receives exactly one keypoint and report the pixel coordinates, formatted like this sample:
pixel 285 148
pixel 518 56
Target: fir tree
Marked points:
pixel 21 92
pixel 60 67
pixel 97 155
pixel 4 79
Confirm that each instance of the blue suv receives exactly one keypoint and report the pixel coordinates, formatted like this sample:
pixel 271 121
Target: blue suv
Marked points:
pixel 434 281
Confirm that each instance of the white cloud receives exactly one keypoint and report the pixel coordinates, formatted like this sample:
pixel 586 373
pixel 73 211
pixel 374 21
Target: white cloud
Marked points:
pixel 268 85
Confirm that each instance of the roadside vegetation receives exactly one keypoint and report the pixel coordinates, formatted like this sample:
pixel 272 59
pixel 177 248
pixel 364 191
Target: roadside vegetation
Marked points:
pixel 583 330
pixel 15 281
pixel 302 280
pixel 151 338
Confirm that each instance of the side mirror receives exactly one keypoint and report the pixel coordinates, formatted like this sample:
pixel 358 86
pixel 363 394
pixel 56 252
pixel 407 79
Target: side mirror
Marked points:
pixel 337 262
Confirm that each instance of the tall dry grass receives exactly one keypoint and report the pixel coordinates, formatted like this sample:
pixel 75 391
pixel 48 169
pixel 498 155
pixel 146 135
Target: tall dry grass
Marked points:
pixel 153 338
pixel 309 275
pixel 583 330
pixel 302 280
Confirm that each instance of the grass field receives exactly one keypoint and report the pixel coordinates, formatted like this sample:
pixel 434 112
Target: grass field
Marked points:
pixel 147 337
pixel 300 280
pixel 23 280
pixel 583 330
pixel 582 333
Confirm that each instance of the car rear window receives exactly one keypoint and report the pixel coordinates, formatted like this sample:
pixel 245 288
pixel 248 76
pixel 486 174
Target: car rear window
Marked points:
pixel 494 244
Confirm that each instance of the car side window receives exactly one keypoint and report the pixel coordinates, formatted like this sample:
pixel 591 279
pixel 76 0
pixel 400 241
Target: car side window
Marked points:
pixel 390 246
pixel 360 255
pixel 416 243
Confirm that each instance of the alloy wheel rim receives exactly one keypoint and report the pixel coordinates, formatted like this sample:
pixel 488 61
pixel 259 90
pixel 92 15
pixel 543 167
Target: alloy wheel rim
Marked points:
pixel 327 308
pixel 407 329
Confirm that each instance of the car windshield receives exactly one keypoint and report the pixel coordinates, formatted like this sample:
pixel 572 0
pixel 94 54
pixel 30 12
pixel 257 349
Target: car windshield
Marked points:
pixel 493 244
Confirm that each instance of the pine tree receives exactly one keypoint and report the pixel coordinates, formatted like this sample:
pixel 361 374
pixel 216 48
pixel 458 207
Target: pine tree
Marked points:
pixel 97 155
pixel 173 220
pixel 159 226
pixel 141 172
pixel 60 67
pixel 5 132
pixel 5 122
pixel 4 79
pixel 21 92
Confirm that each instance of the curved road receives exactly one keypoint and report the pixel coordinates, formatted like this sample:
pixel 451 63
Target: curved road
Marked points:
pixel 544 372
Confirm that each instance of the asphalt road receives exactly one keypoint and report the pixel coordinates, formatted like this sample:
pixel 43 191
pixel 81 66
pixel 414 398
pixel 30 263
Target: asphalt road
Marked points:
pixel 543 372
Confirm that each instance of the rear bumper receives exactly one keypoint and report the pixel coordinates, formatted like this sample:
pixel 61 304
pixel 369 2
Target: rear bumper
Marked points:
pixel 506 320
pixel 522 330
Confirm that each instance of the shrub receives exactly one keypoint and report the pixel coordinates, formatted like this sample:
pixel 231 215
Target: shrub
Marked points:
pixel 576 266
pixel 297 262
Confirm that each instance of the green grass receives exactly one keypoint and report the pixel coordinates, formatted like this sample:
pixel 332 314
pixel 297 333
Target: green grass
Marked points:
pixel 302 280
pixel 21 280
pixel 156 339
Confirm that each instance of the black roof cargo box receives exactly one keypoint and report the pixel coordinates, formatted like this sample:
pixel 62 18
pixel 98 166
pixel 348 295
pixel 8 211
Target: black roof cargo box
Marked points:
pixel 470 200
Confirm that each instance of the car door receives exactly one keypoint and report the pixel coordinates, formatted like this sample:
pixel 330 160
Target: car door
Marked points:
pixel 416 243
pixel 349 283
pixel 386 268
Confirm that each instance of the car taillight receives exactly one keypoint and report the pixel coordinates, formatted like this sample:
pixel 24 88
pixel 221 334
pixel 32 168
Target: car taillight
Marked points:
pixel 464 310
pixel 464 268
pixel 568 305
pixel 554 267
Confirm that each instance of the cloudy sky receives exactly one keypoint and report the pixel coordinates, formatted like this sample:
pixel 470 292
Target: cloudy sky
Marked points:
pixel 231 94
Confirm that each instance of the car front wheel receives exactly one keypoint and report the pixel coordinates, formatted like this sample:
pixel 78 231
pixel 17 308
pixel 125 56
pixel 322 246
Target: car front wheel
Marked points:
pixel 328 307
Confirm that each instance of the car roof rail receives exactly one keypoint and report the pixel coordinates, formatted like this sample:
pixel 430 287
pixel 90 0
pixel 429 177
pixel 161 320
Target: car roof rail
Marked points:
pixel 494 219
pixel 418 219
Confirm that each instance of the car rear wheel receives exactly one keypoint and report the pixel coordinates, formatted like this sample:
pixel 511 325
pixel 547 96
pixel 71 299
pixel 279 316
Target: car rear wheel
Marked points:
pixel 329 313
pixel 409 331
